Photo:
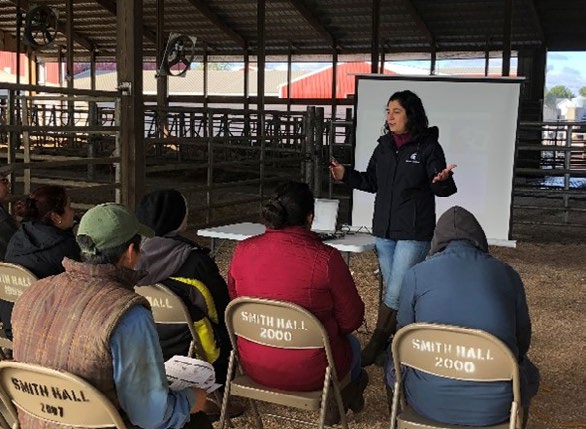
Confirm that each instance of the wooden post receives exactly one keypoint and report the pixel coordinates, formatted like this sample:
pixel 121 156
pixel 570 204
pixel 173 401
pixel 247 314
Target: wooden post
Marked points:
pixel 18 38
pixel 93 118
pixel 289 66
pixel 318 149
pixel 260 74
pixel 375 36
pixel 309 145
pixel 129 60
pixel 206 77
pixel 334 83
pixel 507 29
pixel 162 81
pixel 432 62
pixel 246 77
pixel 260 90
pixel 69 62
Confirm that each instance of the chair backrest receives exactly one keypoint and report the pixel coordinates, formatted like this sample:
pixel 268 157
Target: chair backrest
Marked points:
pixel 281 325
pixel 14 279
pixel 454 352
pixel 55 396
pixel 168 308
pixel 276 324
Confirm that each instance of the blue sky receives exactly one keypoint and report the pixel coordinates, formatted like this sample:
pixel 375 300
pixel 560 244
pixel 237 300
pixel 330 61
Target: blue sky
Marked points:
pixel 566 68
pixel 563 68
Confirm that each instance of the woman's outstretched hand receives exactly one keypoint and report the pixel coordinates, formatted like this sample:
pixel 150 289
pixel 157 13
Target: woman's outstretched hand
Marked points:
pixel 442 175
pixel 337 170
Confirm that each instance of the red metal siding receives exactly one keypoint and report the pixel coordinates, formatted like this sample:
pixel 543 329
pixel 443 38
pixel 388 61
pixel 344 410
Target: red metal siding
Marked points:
pixel 52 72
pixel 8 63
pixel 319 84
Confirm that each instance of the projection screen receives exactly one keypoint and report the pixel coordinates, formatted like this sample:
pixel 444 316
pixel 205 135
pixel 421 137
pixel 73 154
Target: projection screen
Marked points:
pixel 477 120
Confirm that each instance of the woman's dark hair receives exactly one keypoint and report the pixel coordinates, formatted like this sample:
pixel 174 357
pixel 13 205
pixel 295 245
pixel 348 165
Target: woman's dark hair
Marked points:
pixel 106 256
pixel 416 118
pixel 290 205
pixel 39 205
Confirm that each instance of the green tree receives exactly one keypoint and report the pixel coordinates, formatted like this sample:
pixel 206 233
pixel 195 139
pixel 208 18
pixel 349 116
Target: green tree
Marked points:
pixel 559 91
pixel 582 91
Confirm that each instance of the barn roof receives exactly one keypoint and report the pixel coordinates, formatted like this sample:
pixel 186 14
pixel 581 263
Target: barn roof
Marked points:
pixel 306 27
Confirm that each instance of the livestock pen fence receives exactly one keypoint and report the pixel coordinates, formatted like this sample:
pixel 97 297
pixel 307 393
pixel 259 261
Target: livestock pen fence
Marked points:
pixel 550 174
pixel 226 161
pixel 223 160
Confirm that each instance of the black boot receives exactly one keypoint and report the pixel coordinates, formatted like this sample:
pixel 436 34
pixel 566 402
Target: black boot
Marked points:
pixel 353 393
pixel 352 398
pixel 386 325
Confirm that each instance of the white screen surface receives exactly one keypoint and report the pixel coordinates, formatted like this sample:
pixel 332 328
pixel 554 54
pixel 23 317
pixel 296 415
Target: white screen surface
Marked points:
pixel 325 215
pixel 477 121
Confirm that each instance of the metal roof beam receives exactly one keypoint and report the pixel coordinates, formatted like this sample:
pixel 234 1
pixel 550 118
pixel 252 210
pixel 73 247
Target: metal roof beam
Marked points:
pixel 420 23
pixel 313 20
pixel 537 20
pixel 204 9
pixel 110 6
pixel 77 38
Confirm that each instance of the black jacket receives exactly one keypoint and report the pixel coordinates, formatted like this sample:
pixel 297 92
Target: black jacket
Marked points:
pixel 8 227
pixel 174 261
pixel 404 207
pixel 41 248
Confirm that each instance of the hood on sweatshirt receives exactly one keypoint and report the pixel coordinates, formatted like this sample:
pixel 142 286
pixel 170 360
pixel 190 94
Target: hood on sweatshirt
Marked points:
pixel 457 223
pixel 162 257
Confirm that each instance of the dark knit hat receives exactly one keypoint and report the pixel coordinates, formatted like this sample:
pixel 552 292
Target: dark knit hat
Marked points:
pixel 163 211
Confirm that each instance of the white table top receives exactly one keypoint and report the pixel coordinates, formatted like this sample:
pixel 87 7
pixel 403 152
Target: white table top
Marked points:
pixel 353 242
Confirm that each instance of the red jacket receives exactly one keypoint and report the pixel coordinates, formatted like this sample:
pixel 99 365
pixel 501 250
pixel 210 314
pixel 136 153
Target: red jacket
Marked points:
pixel 293 265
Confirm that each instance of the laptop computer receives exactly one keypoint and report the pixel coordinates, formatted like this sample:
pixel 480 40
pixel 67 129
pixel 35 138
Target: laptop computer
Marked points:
pixel 325 218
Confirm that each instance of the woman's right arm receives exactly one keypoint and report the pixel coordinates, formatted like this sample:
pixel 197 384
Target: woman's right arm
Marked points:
pixel 365 181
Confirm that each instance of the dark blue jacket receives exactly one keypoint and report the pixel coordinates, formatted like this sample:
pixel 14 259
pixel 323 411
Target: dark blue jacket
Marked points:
pixel 464 286
pixel 8 227
pixel 39 248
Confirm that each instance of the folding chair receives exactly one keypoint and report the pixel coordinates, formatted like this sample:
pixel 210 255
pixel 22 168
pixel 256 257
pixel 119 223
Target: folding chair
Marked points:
pixel 437 350
pixel 313 336
pixel 14 279
pixel 54 396
pixel 168 308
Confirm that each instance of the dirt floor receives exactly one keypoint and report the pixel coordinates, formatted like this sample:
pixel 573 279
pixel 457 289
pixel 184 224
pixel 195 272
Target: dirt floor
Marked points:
pixel 553 267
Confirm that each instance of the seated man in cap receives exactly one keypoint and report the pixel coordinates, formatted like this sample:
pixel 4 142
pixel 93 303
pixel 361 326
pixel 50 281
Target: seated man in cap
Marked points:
pixel 108 329
pixel 461 284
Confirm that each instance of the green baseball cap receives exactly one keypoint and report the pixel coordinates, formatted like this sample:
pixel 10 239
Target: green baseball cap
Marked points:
pixel 110 225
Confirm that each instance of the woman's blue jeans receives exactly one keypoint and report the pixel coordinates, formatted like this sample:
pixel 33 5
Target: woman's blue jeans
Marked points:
pixel 395 257
pixel 355 366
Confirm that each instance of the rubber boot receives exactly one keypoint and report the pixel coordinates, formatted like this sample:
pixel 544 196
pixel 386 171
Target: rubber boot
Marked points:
pixel 353 393
pixel 386 325
pixel 352 398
